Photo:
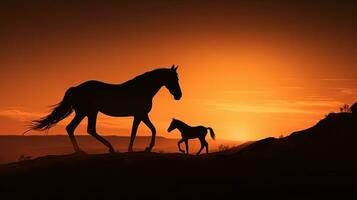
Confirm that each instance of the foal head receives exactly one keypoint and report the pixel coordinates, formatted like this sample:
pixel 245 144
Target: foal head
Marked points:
pixel 171 82
pixel 173 125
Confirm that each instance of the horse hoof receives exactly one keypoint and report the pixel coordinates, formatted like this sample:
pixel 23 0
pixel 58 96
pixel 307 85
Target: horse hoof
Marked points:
pixel 111 150
pixel 147 149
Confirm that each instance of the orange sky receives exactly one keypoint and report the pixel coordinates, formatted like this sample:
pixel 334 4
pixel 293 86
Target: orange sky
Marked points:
pixel 249 69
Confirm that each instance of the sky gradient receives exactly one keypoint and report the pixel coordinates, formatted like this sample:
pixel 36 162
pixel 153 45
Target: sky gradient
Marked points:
pixel 249 69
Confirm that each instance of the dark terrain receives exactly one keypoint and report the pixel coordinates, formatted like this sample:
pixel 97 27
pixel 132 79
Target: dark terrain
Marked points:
pixel 317 162
pixel 12 146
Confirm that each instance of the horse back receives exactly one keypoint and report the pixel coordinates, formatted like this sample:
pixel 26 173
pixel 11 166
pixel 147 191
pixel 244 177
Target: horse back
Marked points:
pixel 111 99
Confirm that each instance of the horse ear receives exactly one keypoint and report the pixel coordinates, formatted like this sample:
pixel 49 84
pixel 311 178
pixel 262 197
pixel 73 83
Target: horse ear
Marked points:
pixel 176 68
pixel 173 66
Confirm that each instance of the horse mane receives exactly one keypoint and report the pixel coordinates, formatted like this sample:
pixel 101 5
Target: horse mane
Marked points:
pixel 148 74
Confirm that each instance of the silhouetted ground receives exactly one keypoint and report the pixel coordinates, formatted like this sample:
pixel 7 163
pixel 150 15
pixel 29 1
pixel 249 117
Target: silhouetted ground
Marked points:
pixel 12 146
pixel 317 162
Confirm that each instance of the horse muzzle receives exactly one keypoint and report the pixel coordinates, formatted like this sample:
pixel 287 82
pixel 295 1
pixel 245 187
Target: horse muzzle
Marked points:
pixel 178 97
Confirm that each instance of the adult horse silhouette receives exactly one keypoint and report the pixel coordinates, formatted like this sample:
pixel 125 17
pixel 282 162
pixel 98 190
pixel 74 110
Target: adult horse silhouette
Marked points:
pixel 132 98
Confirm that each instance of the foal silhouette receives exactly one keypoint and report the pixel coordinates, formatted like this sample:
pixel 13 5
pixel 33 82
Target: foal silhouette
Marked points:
pixel 132 98
pixel 189 132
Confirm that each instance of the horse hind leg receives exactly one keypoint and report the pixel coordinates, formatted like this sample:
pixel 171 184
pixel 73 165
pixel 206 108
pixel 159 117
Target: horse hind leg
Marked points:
pixel 91 129
pixel 70 130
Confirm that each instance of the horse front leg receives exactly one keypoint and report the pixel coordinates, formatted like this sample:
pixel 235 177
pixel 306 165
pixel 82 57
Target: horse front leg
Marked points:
pixel 148 123
pixel 134 129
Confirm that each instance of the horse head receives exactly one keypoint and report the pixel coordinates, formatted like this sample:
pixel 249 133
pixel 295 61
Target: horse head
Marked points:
pixel 172 82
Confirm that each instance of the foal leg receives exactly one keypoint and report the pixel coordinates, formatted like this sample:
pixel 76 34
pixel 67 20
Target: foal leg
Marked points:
pixel 91 129
pixel 148 123
pixel 133 133
pixel 202 146
pixel 178 144
pixel 70 130
pixel 206 144
pixel 186 143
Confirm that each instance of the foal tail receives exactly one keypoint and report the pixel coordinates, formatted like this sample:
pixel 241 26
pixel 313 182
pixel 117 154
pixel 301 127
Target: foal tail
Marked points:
pixel 213 136
pixel 59 112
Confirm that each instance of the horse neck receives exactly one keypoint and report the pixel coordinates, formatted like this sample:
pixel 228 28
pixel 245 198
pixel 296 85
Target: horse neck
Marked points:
pixel 149 85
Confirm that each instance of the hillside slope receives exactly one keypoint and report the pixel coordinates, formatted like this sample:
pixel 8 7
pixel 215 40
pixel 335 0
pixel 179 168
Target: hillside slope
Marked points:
pixel 331 139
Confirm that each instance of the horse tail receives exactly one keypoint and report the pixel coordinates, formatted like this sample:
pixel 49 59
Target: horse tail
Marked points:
pixel 211 132
pixel 59 112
